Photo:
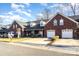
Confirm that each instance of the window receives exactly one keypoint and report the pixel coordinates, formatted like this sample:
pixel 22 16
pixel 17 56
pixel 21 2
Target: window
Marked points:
pixel 32 24
pixel 16 25
pixel 61 22
pixel 13 26
pixel 42 23
pixel 55 22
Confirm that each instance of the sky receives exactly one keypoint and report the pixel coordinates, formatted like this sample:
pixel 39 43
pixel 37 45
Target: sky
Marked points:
pixel 30 11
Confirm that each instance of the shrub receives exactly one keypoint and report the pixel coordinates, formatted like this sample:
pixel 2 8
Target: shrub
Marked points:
pixel 53 39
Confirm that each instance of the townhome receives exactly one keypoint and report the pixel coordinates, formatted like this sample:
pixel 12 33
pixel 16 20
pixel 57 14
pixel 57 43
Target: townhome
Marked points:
pixel 36 28
pixel 58 25
pixel 18 26
pixel 4 29
pixel 62 26
pixel 33 28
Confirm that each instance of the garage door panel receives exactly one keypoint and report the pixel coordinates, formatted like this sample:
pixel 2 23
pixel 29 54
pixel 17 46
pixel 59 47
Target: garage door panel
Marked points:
pixel 50 33
pixel 67 34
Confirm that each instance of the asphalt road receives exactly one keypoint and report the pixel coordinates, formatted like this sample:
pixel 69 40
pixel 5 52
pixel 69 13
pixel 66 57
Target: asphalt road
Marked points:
pixel 14 50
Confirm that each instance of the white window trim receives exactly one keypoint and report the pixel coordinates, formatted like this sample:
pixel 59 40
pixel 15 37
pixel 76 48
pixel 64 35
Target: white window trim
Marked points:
pixel 61 22
pixel 13 26
pixel 32 24
pixel 16 25
pixel 55 22
pixel 42 23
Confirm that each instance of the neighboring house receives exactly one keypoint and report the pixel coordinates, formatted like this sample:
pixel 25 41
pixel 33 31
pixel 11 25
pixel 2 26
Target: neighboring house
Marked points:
pixel 33 28
pixel 36 28
pixel 18 26
pixel 59 25
pixel 4 31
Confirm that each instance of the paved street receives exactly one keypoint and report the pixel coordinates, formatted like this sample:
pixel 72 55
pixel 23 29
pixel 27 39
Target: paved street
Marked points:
pixel 15 50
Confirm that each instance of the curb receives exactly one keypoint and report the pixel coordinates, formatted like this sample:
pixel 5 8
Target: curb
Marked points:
pixel 47 48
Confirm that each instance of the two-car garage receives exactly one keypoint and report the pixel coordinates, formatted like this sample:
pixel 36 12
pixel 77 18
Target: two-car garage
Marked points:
pixel 65 33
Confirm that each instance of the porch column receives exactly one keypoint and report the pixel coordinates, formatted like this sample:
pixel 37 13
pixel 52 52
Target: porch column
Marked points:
pixel 41 33
pixel 18 32
pixel 33 32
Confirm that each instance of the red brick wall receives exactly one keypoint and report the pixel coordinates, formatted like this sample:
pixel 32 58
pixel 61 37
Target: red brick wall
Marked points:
pixel 15 29
pixel 68 24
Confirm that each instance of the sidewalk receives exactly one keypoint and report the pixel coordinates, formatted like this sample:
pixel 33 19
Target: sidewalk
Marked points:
pixel 69 46
pixel 69 42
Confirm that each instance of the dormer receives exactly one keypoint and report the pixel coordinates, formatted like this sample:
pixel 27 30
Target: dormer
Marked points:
pixel 32 24
pixel 42 23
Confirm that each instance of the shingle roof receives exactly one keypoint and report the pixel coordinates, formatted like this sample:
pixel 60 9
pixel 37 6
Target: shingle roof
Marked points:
pixel 36 27
pixel 76 17
pixel 22 24
pixel 4 30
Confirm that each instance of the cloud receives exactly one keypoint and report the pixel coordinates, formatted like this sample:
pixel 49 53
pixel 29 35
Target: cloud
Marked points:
pixel 10 18
pixel 14 15
pixel 18 12
pixel 26 13
pixel 4 16
pixel 16 6
pixel 21 10
pixel 27 4
pixel 44 4
pixel 17 17
pixel 54 5
pixel 29 10
pixel 10 13
pixel 62 8
pixel 40 14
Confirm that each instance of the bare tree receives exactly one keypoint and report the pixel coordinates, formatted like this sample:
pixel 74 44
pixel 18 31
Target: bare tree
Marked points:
pixel 46 13
pixel 73 8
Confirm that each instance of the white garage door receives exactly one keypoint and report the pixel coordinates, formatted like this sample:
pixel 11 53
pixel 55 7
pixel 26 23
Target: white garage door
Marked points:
pixel 67 33
pixel 50 33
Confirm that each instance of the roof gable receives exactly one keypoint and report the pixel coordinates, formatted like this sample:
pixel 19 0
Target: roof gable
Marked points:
pixel 22 24
pixel 63 16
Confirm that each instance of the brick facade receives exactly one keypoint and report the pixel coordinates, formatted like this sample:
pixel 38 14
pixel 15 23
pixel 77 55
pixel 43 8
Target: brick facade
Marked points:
pixel 15 26
pixel 68 24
